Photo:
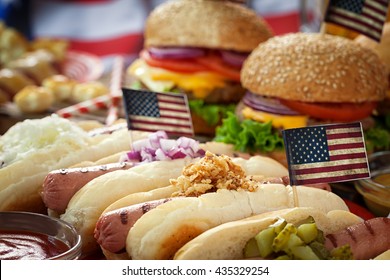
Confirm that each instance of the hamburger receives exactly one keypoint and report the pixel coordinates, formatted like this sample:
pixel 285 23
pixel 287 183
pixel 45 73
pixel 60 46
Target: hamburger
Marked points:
pixel 303 79
pixel 198 47
pixel 382 116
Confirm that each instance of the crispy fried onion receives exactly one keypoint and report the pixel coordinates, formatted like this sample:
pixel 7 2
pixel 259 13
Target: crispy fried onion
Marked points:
pixel 211 173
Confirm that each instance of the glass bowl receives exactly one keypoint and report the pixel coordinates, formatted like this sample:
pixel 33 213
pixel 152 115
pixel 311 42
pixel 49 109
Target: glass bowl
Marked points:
pixel 25 235
pixel 376 190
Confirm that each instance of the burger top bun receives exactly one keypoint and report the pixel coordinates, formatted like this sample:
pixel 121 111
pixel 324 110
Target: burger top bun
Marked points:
pixel 312 67
pixel 208 24
pixel 382 48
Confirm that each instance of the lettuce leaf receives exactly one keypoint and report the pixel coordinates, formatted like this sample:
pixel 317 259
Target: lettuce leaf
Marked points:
pixel 248 135
pixel 378 137
pixel 211 113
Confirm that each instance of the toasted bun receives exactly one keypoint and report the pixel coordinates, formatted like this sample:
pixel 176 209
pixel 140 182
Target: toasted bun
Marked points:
pixel 312 67
pixel 382 48
pixel 207 24
pixel 227 241
pixel 162 231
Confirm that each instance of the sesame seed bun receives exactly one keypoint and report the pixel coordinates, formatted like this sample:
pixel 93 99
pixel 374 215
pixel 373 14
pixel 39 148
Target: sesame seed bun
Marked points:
pixel 312 67
pixel 206 24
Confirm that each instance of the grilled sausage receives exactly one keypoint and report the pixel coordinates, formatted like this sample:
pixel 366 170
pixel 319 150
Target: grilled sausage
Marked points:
pixel 112 227
pixel 367 239
pixel 60 185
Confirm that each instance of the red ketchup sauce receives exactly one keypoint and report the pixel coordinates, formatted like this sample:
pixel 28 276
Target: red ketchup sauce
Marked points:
pixel 26 245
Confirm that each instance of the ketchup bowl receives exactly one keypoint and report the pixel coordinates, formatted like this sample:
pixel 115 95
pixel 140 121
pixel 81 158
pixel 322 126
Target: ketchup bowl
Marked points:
pixel 31 236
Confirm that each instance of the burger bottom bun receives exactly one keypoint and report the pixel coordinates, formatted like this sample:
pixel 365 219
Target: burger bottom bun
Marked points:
pixel 228 240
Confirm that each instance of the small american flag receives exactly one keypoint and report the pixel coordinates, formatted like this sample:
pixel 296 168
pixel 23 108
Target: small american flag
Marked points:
pixel 364 16
pixel 325 154
pixel 153 111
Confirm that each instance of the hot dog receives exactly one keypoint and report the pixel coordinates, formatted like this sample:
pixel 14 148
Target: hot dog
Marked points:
pixel 257 167
pixel 108 229
pixel 111 233
pixel 215 190
pixel 179 221
pixel 60 185
pixel 32 148
pixel 88 204
pixel 367 239
pixel 111 229
pixel 232 240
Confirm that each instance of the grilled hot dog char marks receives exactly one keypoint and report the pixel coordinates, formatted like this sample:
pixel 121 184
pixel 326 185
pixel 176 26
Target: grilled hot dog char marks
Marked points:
pixel 367 239
pixel 60 185
pixel 112 227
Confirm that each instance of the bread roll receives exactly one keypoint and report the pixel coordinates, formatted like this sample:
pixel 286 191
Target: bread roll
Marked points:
pixel 227 241
pixel 34 99
pixel 162 231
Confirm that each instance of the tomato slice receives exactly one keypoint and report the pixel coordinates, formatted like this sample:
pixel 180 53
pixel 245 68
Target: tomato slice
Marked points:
pixel 216 64
pixel 210 62
pixel 332 111
pixel 177 65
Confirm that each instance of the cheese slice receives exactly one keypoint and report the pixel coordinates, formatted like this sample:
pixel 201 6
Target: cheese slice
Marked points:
pixel 142 72
pixel 158 79
pixel 278 121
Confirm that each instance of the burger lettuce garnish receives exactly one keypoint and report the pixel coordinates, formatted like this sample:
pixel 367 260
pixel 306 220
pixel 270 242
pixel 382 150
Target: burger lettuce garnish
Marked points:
pixel 211 113
pixel 248 135
pixel 378 137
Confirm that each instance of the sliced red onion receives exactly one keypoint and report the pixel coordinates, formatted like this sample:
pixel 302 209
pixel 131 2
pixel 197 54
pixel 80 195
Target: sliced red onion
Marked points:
pixel 234 58
pixel 176 52
pixel 132 156
pixel 158 148
pixel 267 104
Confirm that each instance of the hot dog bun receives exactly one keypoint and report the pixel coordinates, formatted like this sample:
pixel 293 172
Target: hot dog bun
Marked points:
pixel 257 166
pixel 384 256
pixel 227 241
pixel 162 231
pixel 32 148
pixel 89 202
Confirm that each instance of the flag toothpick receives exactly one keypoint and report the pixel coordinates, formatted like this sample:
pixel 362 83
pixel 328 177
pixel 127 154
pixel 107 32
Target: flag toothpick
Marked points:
pixel 154 111
pixel 326 154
